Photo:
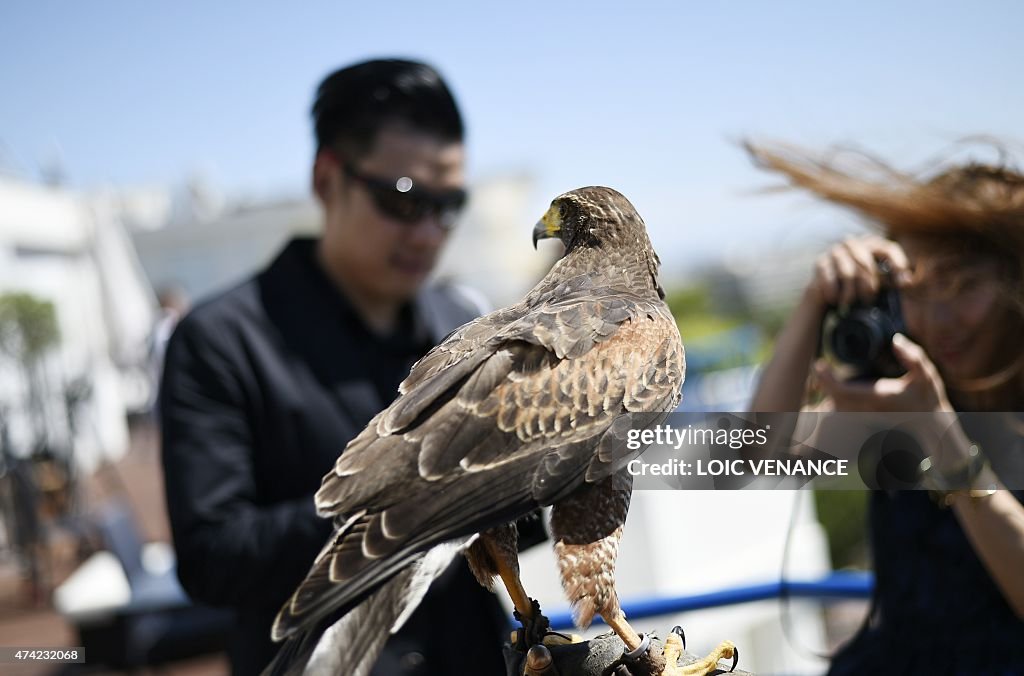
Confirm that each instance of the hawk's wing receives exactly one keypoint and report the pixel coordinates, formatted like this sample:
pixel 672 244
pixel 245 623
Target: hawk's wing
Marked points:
pixel 511 411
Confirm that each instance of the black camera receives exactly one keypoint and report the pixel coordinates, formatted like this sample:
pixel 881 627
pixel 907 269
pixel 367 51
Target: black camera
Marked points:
pixel 859 338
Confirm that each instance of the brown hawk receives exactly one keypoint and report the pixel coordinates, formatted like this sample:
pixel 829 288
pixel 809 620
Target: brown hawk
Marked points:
pixel 522 408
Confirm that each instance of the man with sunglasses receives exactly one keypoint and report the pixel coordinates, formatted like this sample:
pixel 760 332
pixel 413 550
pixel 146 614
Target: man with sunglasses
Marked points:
pixel 264 385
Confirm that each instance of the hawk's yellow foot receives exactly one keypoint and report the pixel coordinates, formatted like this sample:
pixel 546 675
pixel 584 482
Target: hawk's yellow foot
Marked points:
pixel 674 649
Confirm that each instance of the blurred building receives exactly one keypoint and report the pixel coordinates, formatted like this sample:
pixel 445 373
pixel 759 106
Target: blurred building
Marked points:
pixel 492 248
pixel 205 252
pixel 71 249
pixel 203 243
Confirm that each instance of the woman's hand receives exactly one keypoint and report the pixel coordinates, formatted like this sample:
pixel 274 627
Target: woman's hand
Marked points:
pixel 919 389
pixel 846 272
pixel 849 271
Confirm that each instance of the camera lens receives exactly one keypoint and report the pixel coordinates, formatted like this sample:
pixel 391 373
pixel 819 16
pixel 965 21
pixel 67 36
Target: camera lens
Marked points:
pixel 860 336
pixel 857 341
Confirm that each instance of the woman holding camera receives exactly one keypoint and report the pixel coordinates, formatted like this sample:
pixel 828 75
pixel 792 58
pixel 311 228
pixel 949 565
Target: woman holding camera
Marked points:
pixel 949 563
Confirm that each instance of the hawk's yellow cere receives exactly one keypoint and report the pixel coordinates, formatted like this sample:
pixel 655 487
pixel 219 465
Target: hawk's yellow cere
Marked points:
pixel 552 220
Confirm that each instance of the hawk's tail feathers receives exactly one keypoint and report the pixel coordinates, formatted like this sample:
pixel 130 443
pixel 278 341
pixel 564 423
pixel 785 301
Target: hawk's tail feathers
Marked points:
pixel 372 547
pixel 352 644
pixel 295 614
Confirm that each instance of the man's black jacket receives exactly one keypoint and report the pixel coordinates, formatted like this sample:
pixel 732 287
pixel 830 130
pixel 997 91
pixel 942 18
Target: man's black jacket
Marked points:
pixel 262 388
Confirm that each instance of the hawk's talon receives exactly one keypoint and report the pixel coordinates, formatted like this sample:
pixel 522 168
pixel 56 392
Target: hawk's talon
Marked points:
pixel 674 650
pixel 678 631
pixel 634 655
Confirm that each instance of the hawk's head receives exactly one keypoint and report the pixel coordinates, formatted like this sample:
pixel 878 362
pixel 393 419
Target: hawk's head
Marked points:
pixel 593 216
pixel 600 218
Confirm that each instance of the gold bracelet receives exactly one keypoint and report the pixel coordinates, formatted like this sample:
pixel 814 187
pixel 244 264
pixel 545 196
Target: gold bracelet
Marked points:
pixel 975 494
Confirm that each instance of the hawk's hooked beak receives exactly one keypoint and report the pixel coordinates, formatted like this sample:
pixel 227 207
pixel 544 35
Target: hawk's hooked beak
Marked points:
pixel 548 226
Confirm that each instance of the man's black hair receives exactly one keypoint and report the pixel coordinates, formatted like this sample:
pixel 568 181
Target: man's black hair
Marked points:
pixel 354 103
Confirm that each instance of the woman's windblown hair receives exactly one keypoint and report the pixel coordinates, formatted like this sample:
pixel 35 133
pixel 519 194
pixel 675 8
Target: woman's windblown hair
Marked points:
pixel 969 208
pixel 972 198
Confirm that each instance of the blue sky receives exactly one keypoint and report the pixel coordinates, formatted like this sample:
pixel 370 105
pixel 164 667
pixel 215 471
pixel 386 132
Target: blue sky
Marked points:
pixel 649 98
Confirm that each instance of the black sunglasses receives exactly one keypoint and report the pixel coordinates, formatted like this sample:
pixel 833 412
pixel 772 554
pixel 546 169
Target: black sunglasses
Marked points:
pixel 407 203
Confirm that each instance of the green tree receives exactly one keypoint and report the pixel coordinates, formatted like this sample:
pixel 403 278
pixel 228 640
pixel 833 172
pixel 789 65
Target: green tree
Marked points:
pixel 28 330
